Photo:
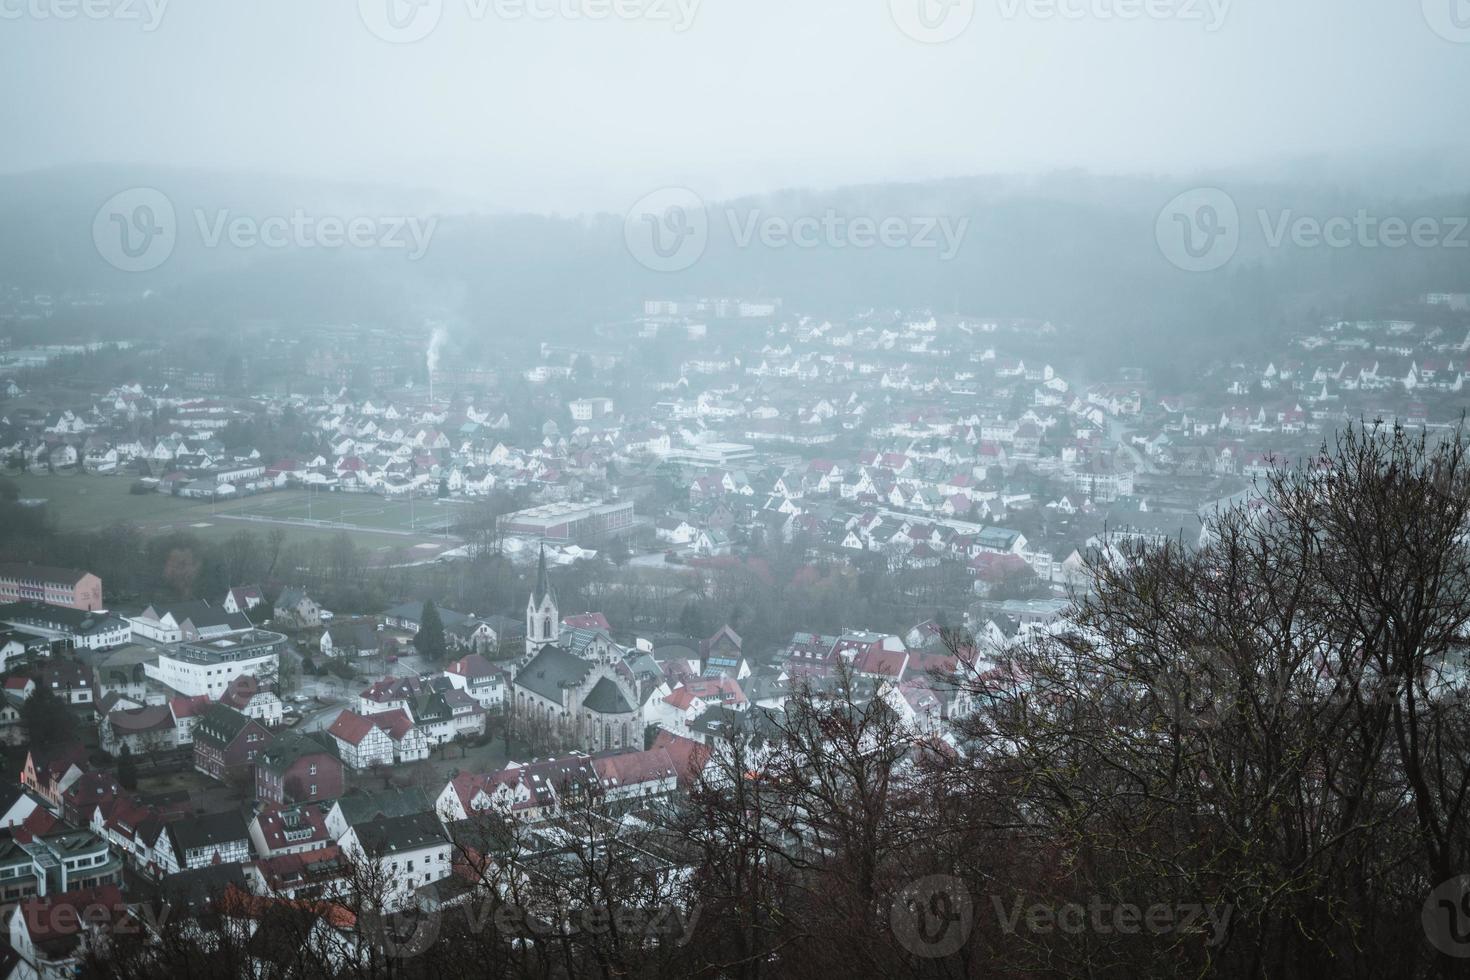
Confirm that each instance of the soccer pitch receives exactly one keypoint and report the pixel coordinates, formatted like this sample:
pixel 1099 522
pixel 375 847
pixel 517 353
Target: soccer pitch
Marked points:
pixel 88 502
pixel 348 511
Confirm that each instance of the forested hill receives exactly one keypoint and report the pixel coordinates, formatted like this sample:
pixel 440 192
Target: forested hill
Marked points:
pixel 1067 247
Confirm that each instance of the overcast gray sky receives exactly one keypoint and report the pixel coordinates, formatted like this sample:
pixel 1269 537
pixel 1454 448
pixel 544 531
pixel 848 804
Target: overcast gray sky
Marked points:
pixel 569 112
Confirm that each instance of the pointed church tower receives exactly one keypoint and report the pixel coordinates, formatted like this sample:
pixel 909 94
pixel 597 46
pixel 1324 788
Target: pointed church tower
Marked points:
pixel 543 620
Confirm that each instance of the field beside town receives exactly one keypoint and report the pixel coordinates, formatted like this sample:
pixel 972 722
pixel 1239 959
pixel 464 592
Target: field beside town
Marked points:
pixel 80 502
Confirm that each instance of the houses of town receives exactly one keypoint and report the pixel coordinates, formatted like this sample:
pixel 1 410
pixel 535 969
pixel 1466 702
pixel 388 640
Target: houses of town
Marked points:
pixel 955 447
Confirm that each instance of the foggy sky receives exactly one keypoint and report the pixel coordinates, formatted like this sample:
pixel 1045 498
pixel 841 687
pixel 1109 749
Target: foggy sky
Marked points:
pixel 574 114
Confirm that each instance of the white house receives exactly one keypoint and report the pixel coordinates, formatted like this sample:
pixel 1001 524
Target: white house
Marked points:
pixel 411 851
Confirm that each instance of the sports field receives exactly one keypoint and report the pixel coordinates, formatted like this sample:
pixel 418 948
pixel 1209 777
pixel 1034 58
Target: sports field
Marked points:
pixel 85 502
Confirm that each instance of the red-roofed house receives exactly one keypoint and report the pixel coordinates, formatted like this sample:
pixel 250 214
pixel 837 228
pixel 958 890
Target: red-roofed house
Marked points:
pixel 49 771
pixel 186 712
pixel 687 755
pixel 478 678
pixel 52 935
pixel 627 774
pixel 304 875
pixel 880 664
pixel 290 830
pixel 247 695
pixel 587 621
pixel 243 598
pixel 82 798
pixel 389 694
pixel 383 738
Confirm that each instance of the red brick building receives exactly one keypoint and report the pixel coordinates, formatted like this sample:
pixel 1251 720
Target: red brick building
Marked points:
pixel 227 744
pixel 297 769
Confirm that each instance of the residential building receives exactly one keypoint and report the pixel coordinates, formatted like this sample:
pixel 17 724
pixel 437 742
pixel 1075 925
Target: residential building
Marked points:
pixel 227 743
pixel 199 841
pixel 68 587
pixel 411 850
pixel 67 625
pixel 297 768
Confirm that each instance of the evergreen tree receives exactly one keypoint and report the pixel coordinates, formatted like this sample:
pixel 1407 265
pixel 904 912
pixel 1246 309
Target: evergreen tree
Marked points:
pixel 127 768
pixel 430 639
pixel 47 719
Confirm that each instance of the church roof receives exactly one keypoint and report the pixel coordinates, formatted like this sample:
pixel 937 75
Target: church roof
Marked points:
pixel 606 698
pixel 550 671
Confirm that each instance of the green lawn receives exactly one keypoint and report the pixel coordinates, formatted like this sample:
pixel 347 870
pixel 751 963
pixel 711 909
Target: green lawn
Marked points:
pixel 89 502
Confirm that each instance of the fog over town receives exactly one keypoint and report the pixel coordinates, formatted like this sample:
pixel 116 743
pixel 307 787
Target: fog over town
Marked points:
pixel 686 488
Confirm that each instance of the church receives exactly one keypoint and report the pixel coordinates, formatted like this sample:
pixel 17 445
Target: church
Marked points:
pixel 587 702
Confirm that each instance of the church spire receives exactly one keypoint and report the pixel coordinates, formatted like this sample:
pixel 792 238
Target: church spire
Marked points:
pixel 543 582
pixel 543 621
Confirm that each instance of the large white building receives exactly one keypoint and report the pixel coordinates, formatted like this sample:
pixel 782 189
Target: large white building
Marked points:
pixel 61 624
pixel 208 667
pixel 187 622
pixel 408 852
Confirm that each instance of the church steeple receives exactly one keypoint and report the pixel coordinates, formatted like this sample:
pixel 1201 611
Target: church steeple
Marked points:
pixel 543 619
pixel 543 582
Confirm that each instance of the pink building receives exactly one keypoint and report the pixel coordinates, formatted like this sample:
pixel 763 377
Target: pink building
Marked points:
pixel 53 586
